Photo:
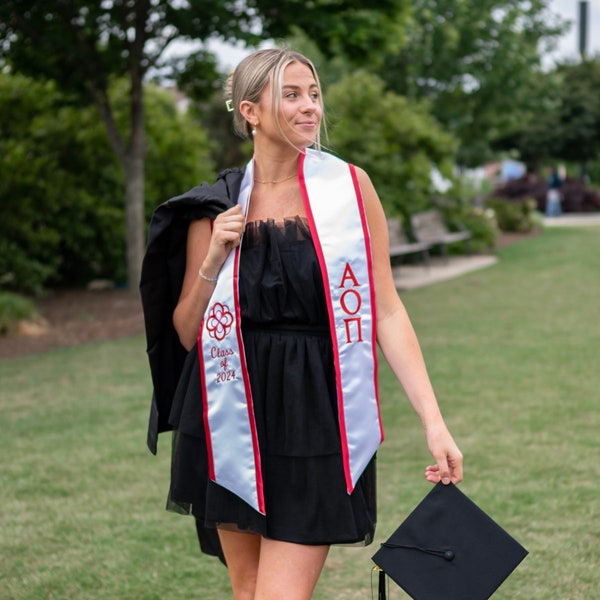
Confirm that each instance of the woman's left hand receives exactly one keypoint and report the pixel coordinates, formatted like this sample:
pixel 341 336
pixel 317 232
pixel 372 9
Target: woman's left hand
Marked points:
pixel 448 458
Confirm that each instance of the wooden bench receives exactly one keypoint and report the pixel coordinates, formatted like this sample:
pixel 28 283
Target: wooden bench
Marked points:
pixel 400 245
pixel 429 228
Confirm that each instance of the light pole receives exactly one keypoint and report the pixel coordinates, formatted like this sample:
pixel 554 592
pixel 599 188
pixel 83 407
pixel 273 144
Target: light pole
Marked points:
pixel 583 28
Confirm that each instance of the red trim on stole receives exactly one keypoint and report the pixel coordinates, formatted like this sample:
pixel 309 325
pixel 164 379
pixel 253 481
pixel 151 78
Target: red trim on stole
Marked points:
pixel 250 402
pixel 208 440
pixel 209 449
pixel 247 388
pixel 367 235
pixel 330 311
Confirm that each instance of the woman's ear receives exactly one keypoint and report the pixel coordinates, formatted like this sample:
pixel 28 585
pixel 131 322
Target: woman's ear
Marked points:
pixel 248 111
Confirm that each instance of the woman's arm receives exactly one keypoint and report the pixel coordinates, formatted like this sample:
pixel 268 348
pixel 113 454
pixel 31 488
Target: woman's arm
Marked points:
pixel 207 248
pixel 399 344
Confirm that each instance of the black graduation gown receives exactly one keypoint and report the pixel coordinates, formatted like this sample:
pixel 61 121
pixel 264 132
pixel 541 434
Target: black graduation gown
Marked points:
pixel 163 269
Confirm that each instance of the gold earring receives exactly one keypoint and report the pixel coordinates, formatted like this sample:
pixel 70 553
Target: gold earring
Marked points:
pixel 254 128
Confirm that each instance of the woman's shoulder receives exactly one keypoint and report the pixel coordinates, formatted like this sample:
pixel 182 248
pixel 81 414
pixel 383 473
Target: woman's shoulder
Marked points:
pixel 367 188
pixel 363 176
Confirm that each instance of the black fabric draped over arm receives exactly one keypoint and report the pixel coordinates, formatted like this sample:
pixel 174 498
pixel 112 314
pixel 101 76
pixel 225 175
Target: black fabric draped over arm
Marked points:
pixel 163 269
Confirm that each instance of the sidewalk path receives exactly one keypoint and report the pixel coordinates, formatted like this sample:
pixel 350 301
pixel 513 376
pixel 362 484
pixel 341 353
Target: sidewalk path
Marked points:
pixel 410 276
pixel 573 220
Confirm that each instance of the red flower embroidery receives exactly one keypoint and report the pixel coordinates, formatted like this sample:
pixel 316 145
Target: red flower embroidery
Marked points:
pixel 219 321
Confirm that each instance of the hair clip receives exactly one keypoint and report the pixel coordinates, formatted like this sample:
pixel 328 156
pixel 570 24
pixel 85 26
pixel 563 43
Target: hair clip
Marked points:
pixel 229 105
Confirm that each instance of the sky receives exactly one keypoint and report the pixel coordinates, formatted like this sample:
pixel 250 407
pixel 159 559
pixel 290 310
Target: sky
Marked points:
pixel 567 48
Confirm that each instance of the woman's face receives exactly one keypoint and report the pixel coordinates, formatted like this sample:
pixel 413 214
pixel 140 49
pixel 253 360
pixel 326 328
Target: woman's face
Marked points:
pixel 300 109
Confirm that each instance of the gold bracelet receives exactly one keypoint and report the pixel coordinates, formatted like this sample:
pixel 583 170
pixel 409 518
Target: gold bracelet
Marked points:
pixel 211 279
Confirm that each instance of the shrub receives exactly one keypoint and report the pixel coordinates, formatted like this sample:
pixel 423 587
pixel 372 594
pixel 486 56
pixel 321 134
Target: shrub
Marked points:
pixel 461 213
pixel 576 197
pixel 13 307
pixel 514 215
pixel 481 223
pixel 62 190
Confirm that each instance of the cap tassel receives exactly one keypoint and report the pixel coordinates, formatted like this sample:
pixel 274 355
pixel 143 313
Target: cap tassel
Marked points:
pixel 381 594
pixel 381 591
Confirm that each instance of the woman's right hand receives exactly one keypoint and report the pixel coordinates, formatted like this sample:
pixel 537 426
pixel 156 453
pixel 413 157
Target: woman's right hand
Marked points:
pixel 207 248
pixel 226 235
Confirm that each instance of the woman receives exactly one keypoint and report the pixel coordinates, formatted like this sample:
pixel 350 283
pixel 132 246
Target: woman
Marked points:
pixel 287 285
pixel 553 195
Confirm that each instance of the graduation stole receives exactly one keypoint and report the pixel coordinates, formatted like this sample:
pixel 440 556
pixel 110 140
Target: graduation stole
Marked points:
pixel 339 231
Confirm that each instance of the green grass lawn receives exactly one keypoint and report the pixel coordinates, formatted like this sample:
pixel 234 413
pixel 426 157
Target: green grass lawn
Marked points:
pixel 513 354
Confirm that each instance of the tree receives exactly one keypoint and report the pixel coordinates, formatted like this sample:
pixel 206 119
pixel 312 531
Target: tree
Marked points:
pixel 60 183
pixel 362 32
pixel 533 138
pixel 397 142
pixel 563 121
pixel 577 128
pixel 84 44
pixel 473 60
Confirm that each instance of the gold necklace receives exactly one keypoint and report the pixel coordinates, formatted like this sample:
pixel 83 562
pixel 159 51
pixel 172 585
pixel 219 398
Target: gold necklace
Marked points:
pixel 275 180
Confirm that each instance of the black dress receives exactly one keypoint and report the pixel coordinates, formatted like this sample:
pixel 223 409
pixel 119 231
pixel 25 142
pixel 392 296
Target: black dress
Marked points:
pixel 285 330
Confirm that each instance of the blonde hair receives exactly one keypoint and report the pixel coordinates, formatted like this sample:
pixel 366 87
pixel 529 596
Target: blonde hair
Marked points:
pixel 250 78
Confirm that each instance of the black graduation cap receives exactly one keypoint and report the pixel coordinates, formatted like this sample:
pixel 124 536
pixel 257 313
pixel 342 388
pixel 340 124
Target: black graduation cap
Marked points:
pixel 448 549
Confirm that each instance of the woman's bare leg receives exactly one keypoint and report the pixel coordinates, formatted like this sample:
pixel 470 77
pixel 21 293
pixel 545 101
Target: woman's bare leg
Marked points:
pixel 242 553
pixel 287 570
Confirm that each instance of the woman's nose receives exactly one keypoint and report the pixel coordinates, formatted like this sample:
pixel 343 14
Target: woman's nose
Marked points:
pixel 309 104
